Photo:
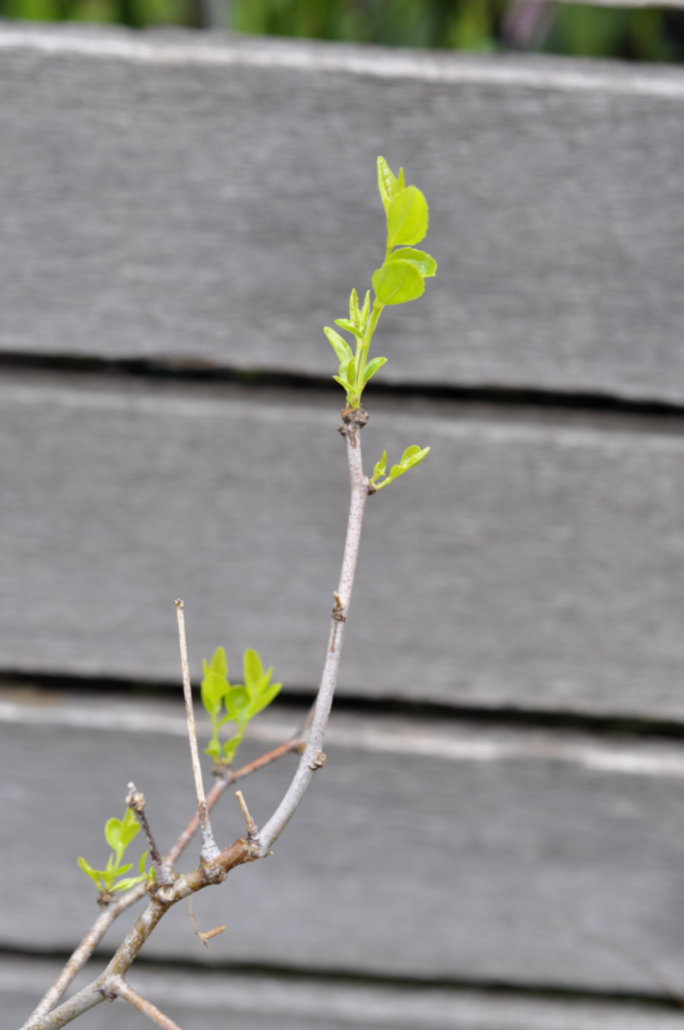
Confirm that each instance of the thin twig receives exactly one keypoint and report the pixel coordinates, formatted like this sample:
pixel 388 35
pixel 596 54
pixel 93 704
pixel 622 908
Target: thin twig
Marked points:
pixel 135 799
pixel 107 983
pixel 230 776
pixel 125 991
pixel 204 935
pixel 312 756
pixel 209 849
pixel 252 828
pixel 84 951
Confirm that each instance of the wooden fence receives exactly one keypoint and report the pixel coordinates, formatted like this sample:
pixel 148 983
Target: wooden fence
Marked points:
pixel 498 838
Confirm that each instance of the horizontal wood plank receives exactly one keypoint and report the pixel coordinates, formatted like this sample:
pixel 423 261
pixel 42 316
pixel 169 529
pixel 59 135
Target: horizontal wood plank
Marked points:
pixel 212 201
pixel 433 851
pixel 528 562
pixel 203 1000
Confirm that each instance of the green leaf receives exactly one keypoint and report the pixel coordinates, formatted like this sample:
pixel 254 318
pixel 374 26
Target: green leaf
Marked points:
pixel 219 663
pixel 94 874
pixel 398 282
pixel 354 307
pixel 386 182
pixel 237 704
pixel 425 263
pixel 264 699
pixel 231 746
pixel 349 327
pixel 125 885
pixel 413 456
pixel 380 466
pixel 253 668
pixel 141 863
pixel 365 310
pixel 343 383
pixel 407 217
pixel 120 832
pixel 339 345
pixel 212 689
pixel 372 367
pixel 213 749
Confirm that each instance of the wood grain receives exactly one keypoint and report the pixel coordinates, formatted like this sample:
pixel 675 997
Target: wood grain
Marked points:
pixel 202 1000
pixel 529 562
pixel 433 851
pixel 173 197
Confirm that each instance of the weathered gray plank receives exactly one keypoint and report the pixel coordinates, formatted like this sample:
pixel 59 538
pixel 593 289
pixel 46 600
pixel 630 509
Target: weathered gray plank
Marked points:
pixel 214 201
pixel 428 850
pixel 529 563
pixel 202 1000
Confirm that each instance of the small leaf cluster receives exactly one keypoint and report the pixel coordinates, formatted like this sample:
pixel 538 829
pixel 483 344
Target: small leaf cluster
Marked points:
pixel 400 278
pixel 411 457
pixel 234 703
pixel 118 833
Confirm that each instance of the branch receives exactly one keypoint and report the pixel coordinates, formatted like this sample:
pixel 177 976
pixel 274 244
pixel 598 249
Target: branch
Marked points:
pixel 99 928
pixel 209 849
pixel 353 420
pixel 135 799
pixel 226 778
pixel 108 983
pixel 83 952
pixel 125 991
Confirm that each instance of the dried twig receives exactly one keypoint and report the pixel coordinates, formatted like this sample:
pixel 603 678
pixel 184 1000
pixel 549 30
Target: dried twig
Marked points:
pixel 209 849
pixel 125 991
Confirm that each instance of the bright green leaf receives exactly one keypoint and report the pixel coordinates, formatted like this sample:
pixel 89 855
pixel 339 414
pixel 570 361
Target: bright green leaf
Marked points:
pixel 253 667
pixel 343 382
pixel 425 263
pixel 354 307
pixel 125 885
pixel 219 663
pixel 212 689
pixel 380 466
pixel 407 217
pixel 386 182
pixel 264 699
pixel 365 310
pixel 213 749
pixel 339 345
pixel 230 747
pixel 89 871
pixel 237 704
pixel 349 327
pixel 398 282
pixel 413 456
pixel 372 367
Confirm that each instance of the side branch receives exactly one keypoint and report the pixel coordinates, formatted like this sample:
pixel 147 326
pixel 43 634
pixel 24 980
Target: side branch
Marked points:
pixel 313 757
pixel 125 991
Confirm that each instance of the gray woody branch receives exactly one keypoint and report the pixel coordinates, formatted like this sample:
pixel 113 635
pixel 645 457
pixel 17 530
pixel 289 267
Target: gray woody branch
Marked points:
pixel 111 983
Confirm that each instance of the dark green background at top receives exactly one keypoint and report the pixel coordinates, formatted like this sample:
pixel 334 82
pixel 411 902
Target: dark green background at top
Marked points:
pixel 581 30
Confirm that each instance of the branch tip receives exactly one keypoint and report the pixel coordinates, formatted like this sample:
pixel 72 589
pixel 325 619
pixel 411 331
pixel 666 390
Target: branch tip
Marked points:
pixel 252 828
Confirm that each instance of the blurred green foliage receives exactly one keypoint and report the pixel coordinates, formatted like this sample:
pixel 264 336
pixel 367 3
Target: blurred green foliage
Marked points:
pixel 575 29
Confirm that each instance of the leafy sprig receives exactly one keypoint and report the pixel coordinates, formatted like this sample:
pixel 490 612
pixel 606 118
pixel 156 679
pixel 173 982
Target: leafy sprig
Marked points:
pixel 411 457
pixel 118 833
pixel 400 279
pixel 240 702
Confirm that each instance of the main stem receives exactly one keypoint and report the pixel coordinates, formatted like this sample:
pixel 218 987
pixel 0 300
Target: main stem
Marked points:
pixel 312 757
